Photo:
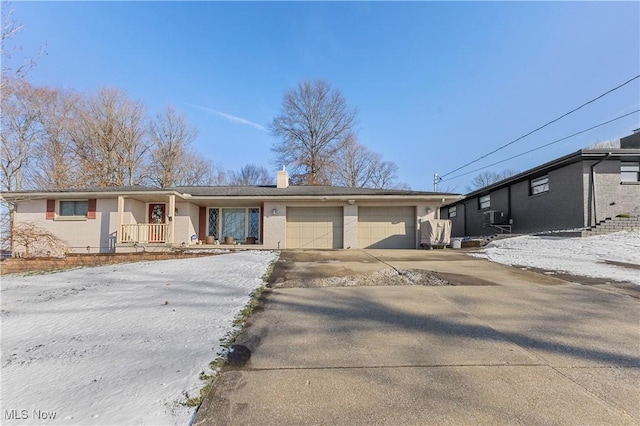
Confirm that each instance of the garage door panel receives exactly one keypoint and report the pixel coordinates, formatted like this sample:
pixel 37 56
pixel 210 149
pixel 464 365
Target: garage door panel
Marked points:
pixel 311 227
pixel 386 227
pixel 310 232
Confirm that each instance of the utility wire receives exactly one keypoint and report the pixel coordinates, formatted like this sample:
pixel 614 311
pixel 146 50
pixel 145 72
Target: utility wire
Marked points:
pixel 541 127
pixel 541 146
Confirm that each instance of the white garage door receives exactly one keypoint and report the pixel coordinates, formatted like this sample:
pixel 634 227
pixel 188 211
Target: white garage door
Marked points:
pixel 311 227
pixel 387 227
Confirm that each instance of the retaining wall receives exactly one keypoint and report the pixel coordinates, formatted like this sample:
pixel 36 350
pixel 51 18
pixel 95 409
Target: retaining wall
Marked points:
pixel 611 225
pixel 12 266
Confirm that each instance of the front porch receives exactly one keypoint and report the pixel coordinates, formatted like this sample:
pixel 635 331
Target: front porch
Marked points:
pixel 166 222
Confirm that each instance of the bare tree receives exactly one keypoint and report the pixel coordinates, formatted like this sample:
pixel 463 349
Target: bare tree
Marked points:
pixel 198 171
pixel 31 239
pixel 16 127
pixel 55 156
pixel 250 174
pixel 136 148
pixel 613 144
pixel 108 138
pixel 18 135
pixel 314 124
pixel 448 188
pixel 354 165
pixel 173 163
pixel 358 167
pixel 385 176
pixel 487 178
pixel 9 29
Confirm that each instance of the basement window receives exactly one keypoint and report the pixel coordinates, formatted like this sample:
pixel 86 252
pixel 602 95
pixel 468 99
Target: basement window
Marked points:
pixel 484 202
pixel 539 185
pixel 630 171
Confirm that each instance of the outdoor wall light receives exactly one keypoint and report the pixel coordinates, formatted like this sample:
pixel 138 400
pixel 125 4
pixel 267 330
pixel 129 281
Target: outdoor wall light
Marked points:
pixel 351 202
pixel 274 211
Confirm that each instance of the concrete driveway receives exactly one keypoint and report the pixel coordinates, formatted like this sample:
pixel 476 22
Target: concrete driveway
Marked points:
pixel 484 344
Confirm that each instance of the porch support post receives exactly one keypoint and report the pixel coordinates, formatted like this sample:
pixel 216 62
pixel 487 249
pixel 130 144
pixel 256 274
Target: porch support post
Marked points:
pixel 120 218
pixel 172 215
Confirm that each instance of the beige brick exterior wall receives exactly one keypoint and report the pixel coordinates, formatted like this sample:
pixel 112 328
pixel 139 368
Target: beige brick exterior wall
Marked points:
pixel 98 234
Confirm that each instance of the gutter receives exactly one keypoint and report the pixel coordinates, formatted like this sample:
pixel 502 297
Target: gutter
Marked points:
pixel 340 198
pixel 36 195
pixel 184 196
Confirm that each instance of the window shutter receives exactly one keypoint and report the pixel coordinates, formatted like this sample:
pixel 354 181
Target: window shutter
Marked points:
pixel 91 209
pixel 202 224
pixel 51 209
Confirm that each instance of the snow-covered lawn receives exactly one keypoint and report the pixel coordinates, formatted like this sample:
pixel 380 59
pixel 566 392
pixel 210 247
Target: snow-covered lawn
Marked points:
pixel 119 344
pixel 577 256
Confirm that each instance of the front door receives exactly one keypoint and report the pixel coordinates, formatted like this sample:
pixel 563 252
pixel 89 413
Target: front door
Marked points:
pixel 157 217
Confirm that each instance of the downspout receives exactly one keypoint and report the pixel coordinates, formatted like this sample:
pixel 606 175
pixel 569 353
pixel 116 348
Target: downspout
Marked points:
pixel 464 219
pixel 509 204
pixel 593 190
pixel 438 209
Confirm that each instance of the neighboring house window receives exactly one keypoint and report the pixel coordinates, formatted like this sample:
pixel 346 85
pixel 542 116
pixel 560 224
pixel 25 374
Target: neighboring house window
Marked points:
pixel 630 171
pixel 484 202
pixel 539 185
pixel 452 211
pixel 74 208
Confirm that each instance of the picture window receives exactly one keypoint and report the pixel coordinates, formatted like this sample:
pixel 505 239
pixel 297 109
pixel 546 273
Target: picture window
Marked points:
pixel 238 223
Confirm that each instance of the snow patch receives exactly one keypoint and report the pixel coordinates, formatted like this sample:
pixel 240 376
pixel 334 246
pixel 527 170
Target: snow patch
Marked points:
pixel 587 256
pixel 120 344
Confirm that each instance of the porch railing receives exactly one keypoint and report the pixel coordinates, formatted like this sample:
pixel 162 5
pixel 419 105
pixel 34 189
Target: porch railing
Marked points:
pixel 144 233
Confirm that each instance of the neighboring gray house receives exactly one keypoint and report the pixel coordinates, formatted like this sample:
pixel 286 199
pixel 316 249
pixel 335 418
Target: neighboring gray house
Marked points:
pixel 574 191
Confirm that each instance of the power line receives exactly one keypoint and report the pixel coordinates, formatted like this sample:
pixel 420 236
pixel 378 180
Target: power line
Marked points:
pixel 541 146
pixel 541 127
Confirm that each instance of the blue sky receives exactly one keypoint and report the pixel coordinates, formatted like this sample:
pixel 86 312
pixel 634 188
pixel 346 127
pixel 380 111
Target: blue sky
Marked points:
pixel 436 84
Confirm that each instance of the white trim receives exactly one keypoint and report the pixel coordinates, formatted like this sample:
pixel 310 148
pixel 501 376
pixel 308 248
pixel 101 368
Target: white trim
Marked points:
pixel 59 218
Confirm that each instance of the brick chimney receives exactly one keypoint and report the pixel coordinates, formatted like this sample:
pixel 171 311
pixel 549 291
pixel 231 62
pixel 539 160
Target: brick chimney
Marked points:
pixel 282 178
